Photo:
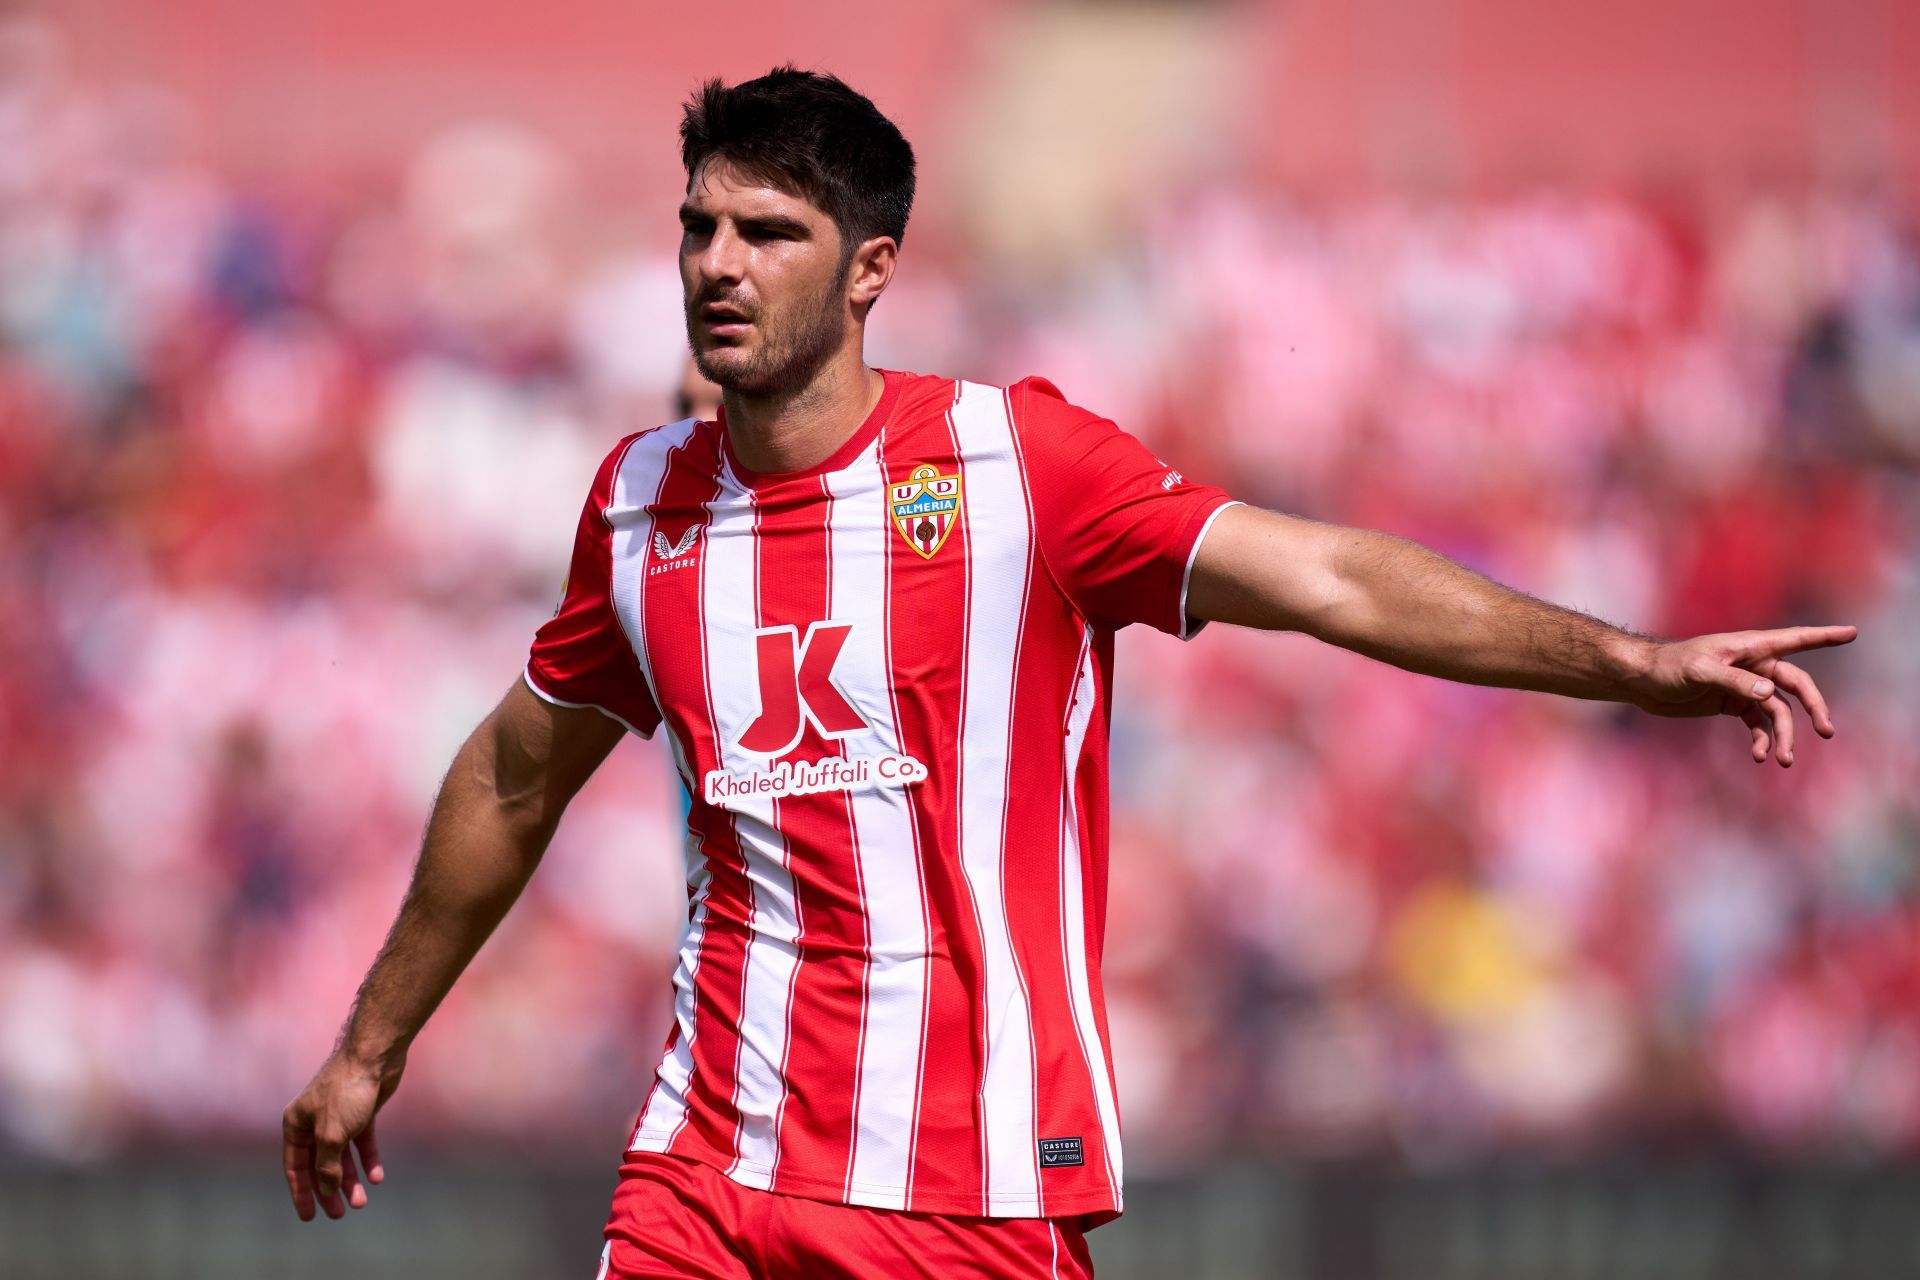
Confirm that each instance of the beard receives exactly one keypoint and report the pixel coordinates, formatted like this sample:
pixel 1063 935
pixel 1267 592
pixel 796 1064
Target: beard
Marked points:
pixel 788 357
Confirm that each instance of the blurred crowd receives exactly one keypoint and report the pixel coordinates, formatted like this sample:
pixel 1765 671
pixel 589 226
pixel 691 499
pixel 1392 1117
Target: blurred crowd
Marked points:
pixel 288 476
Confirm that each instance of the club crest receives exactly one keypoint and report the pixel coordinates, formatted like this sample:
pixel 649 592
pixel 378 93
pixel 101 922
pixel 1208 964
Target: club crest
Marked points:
pixel 925 508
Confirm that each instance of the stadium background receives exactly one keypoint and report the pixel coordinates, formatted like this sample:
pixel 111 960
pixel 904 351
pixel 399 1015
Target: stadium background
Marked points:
pixel 315 318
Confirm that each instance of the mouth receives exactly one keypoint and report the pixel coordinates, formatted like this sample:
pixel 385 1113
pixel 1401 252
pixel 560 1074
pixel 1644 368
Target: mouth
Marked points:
pixel 722 321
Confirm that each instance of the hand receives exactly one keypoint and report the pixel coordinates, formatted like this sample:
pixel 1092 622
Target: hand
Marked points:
pixel 1740 673
pixel 336 1108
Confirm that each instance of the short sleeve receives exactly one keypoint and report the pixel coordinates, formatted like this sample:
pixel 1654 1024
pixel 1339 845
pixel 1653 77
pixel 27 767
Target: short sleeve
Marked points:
pixel 581 656
pixel 1118 528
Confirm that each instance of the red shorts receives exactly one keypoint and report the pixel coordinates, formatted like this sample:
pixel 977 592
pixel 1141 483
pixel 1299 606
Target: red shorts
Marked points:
pixel 677 1217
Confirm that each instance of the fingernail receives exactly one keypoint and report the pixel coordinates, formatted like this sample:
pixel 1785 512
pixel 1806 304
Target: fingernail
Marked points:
pixel 1763 690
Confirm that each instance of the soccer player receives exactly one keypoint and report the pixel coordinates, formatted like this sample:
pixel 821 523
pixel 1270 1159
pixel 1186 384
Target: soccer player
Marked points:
pixel 874 613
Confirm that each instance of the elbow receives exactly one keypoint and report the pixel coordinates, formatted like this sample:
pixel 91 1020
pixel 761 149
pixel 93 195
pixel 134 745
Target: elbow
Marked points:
pixel 484 781
pixel 1332 604
pixel 1346 600
pixel 1342 623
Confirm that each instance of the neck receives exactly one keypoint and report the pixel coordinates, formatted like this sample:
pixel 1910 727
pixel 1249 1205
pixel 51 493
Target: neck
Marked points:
pixel 797 429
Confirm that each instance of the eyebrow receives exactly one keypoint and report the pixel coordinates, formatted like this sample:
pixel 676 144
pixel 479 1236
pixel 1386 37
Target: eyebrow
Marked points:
pixel 775 222
pixel 765 222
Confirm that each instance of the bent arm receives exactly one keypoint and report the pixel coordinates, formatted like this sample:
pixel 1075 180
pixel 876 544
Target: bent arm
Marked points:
pixel 1397 601
pixel 491 822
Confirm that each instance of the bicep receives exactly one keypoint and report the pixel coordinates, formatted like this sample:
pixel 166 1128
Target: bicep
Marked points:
pixel 1263 569
pixel 537 754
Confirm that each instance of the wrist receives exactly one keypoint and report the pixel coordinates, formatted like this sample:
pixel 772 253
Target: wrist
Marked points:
pixel 370 1052
pixel 1629 659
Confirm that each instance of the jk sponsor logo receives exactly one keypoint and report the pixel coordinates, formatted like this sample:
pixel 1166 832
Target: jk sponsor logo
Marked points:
pixel 797 690
pixel 796 687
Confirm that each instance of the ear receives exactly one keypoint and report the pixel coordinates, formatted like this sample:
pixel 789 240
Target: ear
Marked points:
pixel 870 270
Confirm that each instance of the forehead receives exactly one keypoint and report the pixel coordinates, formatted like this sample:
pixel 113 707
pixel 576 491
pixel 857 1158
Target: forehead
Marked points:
pixel 722 188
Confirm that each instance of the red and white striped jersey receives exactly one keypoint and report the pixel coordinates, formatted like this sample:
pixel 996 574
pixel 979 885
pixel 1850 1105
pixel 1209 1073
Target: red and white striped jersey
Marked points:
pixel 885 682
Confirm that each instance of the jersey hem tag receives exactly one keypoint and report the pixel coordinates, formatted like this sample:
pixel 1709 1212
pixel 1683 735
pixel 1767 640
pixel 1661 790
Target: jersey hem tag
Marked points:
pixel 1059 1153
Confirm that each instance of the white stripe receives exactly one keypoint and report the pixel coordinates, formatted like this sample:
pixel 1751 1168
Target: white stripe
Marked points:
pixel 1053 1238
pixel 666 1110
pixel 1000 565
pixel 638 479
pixel 606 1260
pixel 729 599
pixel 860 541
pixel 1073 922
pixel 1189 625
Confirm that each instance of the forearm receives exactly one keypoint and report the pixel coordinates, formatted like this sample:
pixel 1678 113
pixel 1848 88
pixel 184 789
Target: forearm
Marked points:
pixel 1405 604
pixel 481 846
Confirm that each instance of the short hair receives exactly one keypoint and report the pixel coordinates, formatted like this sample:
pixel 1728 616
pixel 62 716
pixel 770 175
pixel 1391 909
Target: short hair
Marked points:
pixel 808 134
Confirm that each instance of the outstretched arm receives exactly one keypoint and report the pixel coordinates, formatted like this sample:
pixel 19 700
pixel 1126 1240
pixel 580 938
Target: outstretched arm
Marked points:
pixel 491 822
pixel 1395 600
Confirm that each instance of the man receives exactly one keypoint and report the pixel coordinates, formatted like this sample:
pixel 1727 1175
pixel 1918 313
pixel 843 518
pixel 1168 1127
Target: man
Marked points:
pixel 875 612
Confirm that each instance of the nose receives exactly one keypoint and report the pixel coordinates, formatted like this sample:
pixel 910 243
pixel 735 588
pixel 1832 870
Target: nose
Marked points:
pixel 723 259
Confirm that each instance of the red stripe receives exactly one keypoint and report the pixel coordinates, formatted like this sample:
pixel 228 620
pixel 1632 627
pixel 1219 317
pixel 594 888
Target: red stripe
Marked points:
pixel 1047 692
pixel 927 602
pixel 1032 741
pixel 693 897
pixel 1070 1108
pixel 826 1002
pixel 676 650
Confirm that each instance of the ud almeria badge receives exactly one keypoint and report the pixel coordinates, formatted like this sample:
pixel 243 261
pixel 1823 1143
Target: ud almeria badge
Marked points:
pixel 925 508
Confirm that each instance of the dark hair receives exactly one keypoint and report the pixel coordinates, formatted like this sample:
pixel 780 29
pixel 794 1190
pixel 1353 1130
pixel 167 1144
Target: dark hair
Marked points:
pixel 811 136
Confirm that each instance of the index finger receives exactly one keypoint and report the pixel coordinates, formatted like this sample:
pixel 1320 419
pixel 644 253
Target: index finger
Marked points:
pixel 296 1160
pixel 1772 644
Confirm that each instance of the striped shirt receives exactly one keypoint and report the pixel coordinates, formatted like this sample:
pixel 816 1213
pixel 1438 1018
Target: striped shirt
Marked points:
pixel 885 682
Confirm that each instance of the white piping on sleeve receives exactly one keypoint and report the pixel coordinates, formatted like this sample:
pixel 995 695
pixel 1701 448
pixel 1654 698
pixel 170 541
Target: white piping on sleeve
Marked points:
pixel 1188 627
pixel 526 675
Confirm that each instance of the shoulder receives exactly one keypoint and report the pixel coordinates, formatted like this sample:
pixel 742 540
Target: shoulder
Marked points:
pixel 1039 408
pixel 1048 423
pixel 1030 398
pixel 657 440
pixel 643 452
